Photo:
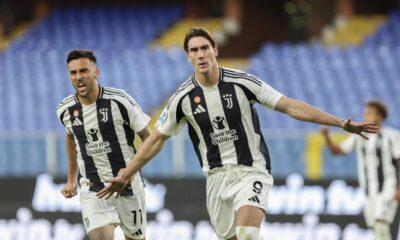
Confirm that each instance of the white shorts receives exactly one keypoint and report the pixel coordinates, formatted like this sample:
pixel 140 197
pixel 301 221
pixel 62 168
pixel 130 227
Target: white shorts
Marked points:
pixel 129 212
pixel 231 187
pixel 379 208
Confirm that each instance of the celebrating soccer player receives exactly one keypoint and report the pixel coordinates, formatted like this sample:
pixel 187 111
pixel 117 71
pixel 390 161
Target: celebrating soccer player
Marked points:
pixel 101 123
pixel 218 105
pixel 378 166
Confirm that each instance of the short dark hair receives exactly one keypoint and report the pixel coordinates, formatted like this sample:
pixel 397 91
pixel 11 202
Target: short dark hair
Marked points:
pixel 81 53
pixel 379 106
pixel 198 32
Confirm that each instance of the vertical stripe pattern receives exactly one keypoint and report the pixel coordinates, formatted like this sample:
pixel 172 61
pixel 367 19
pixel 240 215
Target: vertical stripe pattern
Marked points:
pixel 76 114
pixel 107 130
pixel 380 162
pixel 196 97
pixel 263 145
pixel 223 124
pixel 364 153
pixel 129 133
pixel 233 117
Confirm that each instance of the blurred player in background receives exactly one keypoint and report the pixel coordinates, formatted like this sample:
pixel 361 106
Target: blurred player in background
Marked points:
pixel 101 123
pixel 218 105
pixel 378 168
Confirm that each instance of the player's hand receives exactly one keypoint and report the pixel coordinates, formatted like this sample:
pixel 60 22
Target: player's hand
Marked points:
pixel 115 184
pixel 360 128
pixel 69 189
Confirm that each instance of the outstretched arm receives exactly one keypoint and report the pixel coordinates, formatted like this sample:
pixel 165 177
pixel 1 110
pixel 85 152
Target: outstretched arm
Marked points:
pixel 335 149
pixel 144 134
pixel 148 150
pixel 305 112
pixel 69 190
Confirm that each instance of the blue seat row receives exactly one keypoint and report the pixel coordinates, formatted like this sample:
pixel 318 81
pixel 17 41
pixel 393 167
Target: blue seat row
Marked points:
pixel 34 74
pixel 339 80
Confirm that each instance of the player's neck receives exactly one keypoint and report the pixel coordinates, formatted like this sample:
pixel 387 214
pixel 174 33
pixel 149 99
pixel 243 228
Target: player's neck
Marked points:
pixel 92 97
pixel 209 79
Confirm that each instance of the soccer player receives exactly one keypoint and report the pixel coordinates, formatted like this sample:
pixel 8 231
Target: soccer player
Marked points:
pixel 218 105
pixel 101 123
pixel 378 166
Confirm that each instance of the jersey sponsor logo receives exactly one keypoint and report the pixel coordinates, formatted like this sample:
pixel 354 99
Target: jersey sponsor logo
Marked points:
pixel 219 122
pixel 254 199
pixel 96 147
pixel 137 233
pixel 93 135
pixel 104 114
pixel 199 109
pixel 228 98
pixel 228 135
pixel 77 122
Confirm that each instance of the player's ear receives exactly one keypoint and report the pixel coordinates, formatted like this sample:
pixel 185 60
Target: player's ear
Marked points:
pixel 216 51
pixel 97 73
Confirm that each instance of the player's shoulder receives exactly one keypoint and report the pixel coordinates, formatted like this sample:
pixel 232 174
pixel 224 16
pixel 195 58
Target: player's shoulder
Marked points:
pixel 65 104
pixel 390 131
pixel 187 85
pixel 113 92
pixel 233 70
pixel 184 89
pixel 118 95
pixel 239 76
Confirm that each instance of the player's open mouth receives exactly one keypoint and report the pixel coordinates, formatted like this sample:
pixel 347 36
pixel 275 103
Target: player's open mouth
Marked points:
pixel 203 64
pixel 81 87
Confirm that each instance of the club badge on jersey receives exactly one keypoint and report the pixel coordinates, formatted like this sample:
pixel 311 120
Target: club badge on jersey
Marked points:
pixel 104 114
pixel 228 98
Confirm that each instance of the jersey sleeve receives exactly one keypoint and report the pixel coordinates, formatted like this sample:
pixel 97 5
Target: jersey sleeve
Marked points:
pixel 264 93
pixel 171 119
pixel 396 145
pixel 268 96
pixel 61 116
pixel 138 120
pixel 348 145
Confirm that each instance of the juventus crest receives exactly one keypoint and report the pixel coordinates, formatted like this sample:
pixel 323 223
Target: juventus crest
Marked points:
pixel 104 114
pixel 228 98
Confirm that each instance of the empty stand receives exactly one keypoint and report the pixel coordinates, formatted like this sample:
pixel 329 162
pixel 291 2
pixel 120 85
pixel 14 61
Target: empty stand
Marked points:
pixel 34 79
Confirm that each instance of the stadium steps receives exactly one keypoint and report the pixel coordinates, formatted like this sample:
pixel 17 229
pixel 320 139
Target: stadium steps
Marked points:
pixel 18 32
pixel 238 63
pixel 353 30
pixel 175 35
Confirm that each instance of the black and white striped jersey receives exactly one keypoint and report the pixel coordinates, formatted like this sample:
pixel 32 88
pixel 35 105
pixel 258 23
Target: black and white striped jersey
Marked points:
pixel 376 160
pixel 104 134
pixel 223 122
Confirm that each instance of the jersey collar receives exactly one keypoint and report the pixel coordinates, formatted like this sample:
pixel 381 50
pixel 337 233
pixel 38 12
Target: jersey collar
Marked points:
pixel 221 75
